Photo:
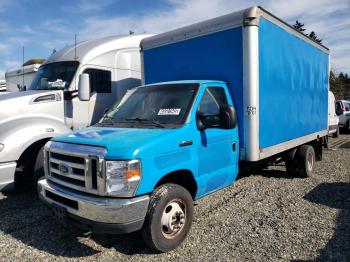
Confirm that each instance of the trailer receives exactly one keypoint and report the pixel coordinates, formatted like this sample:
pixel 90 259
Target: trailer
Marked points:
pixel 277 76
pixel 18 79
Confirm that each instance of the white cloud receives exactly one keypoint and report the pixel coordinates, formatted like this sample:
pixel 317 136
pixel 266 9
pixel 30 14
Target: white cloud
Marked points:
pixel 12 63
pixel 4 27
pixel 84 6
pixel 5 48
pixel 183 13
pixel 27 29
pixel 5 4
pixel 325 17
pixel 330 19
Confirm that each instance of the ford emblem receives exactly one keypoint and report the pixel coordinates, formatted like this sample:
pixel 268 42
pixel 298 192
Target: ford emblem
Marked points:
pixel 64 169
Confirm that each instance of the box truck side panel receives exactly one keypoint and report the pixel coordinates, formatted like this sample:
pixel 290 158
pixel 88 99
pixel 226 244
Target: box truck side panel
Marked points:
pixel 293 86
pixel 216 56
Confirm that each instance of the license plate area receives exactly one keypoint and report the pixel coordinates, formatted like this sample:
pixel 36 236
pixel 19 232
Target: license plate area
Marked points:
pixel 59 212
pixel 62 200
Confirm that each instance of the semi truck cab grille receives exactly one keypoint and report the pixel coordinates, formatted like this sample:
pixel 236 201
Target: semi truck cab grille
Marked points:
pixel 74 166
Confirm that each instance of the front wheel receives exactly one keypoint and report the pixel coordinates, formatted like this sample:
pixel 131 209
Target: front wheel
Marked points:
pixel 169 217
pixel 38 169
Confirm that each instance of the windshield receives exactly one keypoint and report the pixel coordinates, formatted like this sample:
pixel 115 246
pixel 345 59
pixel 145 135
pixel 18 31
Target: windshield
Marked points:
pixel 158 106
pixel 54 76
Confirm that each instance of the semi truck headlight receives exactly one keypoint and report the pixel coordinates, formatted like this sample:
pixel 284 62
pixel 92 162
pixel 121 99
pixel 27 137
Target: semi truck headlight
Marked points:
pixel 122 177
pixel 1 147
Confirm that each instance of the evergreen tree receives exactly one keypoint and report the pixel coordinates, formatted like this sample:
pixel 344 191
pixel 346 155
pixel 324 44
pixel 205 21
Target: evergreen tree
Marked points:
pixel 299 26
pixel 313 36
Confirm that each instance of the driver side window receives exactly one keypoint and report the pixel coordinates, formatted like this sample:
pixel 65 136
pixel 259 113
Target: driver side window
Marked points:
pixel 212 100
pixel 100 80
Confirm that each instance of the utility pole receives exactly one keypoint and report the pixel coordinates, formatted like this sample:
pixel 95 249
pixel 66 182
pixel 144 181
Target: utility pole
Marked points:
pixel 75 46
pixel 22 68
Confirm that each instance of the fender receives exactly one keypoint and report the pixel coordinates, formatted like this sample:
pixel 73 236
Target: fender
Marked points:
pixel 18 134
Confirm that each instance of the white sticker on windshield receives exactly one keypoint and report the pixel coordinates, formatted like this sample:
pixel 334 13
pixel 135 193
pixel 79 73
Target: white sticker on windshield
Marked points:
pixel 58 83
pixel 169 111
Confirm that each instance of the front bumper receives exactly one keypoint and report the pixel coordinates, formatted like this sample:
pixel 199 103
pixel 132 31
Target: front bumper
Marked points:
pixel 98 214
pixel 7 174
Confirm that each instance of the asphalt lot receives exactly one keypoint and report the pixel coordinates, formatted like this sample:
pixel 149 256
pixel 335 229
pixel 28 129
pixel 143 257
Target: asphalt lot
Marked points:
pixel 267 216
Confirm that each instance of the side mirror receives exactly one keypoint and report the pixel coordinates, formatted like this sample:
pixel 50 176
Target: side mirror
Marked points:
pixel 84 87
pixel 338 112
pixel 200 123
pixel 228 117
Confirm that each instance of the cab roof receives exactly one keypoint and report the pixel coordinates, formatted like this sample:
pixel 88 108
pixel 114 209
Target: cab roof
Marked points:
pixel 85 51
pixel 201 82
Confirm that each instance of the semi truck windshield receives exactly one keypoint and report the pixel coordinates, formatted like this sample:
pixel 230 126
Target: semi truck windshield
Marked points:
pixel 54 76
pixel 160 106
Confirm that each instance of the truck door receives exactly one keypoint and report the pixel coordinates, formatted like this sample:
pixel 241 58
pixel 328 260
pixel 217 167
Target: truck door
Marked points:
pixel 217 151
pixel 102 97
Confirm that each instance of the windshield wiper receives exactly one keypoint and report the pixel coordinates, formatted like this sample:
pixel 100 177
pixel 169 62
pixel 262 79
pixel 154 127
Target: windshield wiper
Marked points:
pixel 110 120
pixel 150 121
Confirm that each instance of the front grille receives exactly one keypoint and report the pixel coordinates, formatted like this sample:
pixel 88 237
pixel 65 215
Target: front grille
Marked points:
pixel 75 166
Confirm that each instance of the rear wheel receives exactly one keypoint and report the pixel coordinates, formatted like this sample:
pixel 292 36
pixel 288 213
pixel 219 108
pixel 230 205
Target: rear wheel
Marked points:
pixel 305 158
pixel 169 217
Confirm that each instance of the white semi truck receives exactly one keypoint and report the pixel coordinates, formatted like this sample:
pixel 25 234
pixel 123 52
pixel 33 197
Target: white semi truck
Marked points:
pixel 51 106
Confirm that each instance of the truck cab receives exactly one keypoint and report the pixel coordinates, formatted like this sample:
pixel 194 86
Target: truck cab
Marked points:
pixel 180 135
pixel 343 112
pixel 333 118
pixel 51 106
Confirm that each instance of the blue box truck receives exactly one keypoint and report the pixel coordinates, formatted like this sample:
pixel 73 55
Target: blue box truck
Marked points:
pixel 245 88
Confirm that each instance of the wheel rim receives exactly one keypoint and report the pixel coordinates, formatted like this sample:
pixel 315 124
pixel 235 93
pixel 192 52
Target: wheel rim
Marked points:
pixel 310 162
pixel 173 218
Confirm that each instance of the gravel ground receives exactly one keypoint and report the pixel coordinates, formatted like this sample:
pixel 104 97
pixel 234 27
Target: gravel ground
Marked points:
pixel 263 217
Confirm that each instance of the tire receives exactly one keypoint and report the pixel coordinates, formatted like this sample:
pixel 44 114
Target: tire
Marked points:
pixel 305 158
pixel 38 169
pixel 291 164
pixel 169 203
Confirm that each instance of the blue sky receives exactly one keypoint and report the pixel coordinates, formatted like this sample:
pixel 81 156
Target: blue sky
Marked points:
pixel 41 26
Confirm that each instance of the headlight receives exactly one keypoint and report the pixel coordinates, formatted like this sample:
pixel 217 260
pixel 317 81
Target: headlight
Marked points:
pixel 1 147
pixel 122 177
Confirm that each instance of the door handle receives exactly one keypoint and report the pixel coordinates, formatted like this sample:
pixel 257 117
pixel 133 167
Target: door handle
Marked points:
pixel 234 146
pixel 186 143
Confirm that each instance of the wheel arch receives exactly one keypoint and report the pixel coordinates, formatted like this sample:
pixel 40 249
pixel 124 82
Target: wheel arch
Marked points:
pixel 30 153
pixel 182 177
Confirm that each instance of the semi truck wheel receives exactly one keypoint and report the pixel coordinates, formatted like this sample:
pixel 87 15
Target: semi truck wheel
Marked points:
pixel 305 157
pixel 38 171
pixel 169 217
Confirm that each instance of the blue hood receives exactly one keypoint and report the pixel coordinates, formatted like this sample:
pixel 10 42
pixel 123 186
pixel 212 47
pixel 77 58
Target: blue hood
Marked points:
pixel 128 143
